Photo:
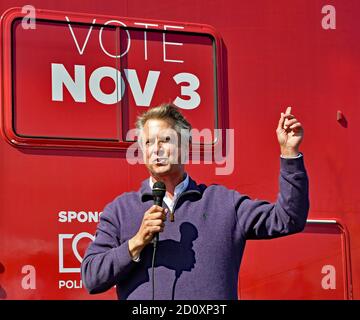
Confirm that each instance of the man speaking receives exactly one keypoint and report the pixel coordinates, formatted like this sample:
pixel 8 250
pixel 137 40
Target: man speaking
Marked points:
pixel 203 229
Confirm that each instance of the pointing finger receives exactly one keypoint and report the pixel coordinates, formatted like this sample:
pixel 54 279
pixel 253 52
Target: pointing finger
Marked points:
pixel 281 122
pixel 288 116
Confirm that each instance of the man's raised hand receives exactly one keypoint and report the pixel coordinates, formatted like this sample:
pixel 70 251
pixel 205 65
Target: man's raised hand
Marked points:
pixel 289 133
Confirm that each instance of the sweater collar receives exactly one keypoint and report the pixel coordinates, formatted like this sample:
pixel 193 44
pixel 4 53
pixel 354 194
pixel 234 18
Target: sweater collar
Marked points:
pixel 179 189
pixel 192 189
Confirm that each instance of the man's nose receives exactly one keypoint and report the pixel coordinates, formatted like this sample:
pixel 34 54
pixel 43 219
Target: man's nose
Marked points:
pixel 157 147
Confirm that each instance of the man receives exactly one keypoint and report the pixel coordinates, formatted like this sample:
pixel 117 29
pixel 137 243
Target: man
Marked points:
pixel 200 247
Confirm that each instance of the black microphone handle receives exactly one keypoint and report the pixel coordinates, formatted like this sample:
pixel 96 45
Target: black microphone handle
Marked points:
pixel 158 202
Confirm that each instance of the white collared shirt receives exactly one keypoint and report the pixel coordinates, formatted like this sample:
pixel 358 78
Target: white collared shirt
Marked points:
pixel 179 189
pixel 289 157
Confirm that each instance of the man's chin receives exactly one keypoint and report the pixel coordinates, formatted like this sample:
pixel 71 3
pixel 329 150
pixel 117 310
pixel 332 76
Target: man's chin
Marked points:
pixel 160 169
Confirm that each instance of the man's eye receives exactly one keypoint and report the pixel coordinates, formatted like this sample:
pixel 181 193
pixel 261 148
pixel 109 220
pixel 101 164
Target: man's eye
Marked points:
pixel 165 139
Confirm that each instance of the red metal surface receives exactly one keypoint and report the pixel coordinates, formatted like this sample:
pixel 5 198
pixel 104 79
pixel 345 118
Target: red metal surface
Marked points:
pixel 86 121
pixel 268 56
pixel 285 265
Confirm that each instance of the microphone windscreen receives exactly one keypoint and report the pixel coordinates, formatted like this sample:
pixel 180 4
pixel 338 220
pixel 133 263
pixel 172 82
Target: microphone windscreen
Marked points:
pixel 159 189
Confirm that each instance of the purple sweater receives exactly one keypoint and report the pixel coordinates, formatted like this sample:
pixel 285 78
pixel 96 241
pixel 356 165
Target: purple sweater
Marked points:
pixel 198 256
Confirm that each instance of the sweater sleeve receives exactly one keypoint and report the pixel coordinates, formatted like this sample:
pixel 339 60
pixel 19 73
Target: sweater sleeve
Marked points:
pixel 106 259
pixel 261 220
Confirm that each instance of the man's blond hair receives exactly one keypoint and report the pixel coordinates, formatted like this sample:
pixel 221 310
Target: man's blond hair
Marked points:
pixel 167 112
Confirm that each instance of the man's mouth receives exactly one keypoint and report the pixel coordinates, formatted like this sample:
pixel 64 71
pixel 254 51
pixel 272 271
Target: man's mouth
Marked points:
pixel 161 161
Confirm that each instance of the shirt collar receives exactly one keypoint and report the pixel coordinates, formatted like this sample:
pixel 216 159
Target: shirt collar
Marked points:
pixel 182 186
pixel 145 192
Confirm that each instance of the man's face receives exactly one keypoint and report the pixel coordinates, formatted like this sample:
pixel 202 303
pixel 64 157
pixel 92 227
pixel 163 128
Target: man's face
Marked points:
pixel 161 148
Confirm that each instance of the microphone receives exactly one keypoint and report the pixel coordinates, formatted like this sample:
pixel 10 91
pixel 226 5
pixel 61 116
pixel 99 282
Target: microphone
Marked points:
pixel 158 192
